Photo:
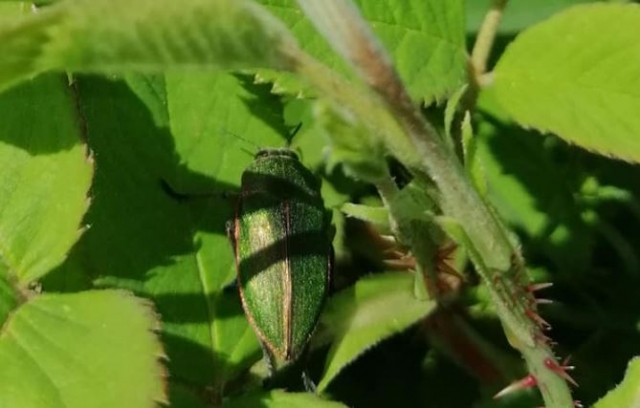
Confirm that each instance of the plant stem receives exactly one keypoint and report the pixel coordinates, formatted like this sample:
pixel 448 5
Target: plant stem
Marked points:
pixel 486 37
pixel 427 155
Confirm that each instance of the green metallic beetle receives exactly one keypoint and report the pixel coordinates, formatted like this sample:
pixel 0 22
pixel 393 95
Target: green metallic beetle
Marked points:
pixel 283 254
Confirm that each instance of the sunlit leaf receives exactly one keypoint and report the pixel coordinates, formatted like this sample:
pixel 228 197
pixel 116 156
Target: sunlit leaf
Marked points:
pixel 77 351
pixel 571 77
pixel 361 316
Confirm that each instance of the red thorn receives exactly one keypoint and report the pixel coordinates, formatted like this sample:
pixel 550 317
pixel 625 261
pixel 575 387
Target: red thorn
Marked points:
pixel 561 370
pixel 447 250
pixel 393 252
pixel 543 338
pixel 527 382
pixel 534 287
pixel 445 268
pixel 537 319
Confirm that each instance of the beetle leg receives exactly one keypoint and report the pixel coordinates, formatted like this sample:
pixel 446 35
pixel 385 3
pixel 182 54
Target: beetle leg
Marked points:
pixel 230 227
pixel 182 196
pixel 308 383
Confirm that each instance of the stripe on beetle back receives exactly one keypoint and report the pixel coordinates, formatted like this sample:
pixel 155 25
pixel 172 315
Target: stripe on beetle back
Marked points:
pixel 287 283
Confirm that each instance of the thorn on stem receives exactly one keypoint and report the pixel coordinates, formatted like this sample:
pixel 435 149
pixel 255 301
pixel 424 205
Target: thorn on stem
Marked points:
pixel 523 384
pixel 543 338
pixel 446 251
pixel 534 287
pixel 561 370
pixel 543 324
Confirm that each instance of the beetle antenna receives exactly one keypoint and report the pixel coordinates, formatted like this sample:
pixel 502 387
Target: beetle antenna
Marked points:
pixel 244 139
pixel 293 132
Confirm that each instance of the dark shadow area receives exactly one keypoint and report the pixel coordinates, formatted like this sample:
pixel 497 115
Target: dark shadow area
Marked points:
pixel 283 188
pixel 552 176
pixel 296 246
pixel 41 116
pixel 385 377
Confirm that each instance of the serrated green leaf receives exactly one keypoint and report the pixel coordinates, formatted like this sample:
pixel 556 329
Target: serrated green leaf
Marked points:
pixel 569 76
pixel 375 215
pixel 450 112
pixel 352 144
pixel 170 249
pixel 220 121
pixel 361 316
pixel 45 177
pixel 413 203
pixel 281 399
pixel 21 41
pixel 425 39
pixel 147 35
pixel 78 350
pixel 627 393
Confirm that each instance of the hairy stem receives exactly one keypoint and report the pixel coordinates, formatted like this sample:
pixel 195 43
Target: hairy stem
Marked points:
pixel 486 37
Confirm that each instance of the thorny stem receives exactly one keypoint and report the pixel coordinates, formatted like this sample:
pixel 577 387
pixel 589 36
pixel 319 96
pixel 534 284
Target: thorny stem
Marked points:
pixel 340 22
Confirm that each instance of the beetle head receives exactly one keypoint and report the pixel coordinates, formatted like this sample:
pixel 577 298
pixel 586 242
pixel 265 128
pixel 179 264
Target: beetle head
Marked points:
pixel 277 152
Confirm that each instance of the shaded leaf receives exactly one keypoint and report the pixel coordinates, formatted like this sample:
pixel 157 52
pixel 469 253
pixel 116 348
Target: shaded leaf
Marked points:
pixel 66 351
pixel 376 215
pixel 533 186
pixel 361 316
pixel 584 88
pixel 45 177
pixel 181 397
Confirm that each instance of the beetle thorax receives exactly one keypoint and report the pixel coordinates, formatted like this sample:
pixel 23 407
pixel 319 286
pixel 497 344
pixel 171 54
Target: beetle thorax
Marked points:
pixel 280 173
